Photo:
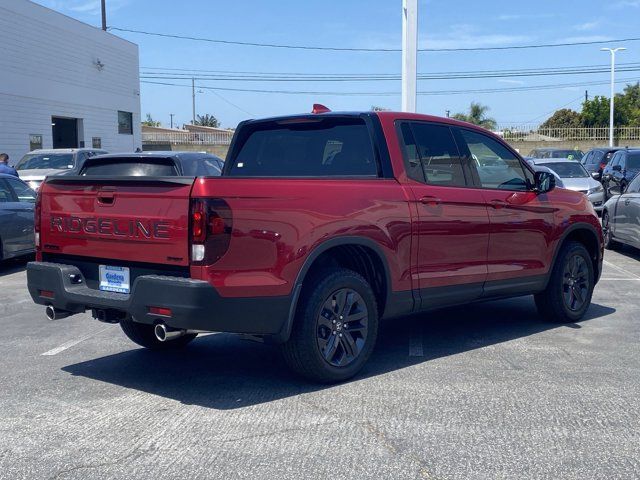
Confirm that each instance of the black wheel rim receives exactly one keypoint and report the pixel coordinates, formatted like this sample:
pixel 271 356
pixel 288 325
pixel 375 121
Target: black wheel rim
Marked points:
pixel 341 327
pixel 575 285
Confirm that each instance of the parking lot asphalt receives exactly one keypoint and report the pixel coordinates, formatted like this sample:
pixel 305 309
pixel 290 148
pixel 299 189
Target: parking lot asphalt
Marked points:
pixel 486 391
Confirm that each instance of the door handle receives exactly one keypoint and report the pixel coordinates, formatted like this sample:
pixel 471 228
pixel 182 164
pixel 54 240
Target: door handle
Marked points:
pixel 498 204
pixel 106 197
pixel 430 200
pixel 627 201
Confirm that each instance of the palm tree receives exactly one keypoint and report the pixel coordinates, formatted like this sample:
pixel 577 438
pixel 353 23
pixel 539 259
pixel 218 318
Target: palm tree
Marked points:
pixel 477 116
pixel 207 121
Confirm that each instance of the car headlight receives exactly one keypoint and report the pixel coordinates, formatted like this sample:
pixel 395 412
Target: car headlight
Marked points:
pixel 597 189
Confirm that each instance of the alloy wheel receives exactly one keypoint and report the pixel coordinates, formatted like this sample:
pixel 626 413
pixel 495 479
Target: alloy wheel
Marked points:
pixel 341 327
pixel 575 285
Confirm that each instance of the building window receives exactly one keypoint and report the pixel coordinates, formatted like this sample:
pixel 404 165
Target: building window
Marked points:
pixel 125 123
pixel 35 142
pixel 96 142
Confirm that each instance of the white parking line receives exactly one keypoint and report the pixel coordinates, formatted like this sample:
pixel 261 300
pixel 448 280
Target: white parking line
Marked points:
pixel 71 343
pixel 620 269
pixel 415 345
pixel 619 279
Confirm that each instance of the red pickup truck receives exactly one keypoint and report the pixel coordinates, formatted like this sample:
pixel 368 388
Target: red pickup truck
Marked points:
pixel 320 226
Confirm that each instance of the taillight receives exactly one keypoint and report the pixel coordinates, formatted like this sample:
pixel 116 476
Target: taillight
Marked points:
pixel 211 226
pixel 602 165
pixel 37 214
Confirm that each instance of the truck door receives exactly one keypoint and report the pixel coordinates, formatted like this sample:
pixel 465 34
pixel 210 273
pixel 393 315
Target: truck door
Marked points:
pixel 451 231
pixel 522 222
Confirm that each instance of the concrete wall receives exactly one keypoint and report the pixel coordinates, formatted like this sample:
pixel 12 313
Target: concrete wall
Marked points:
pixel 524 147
pixel 218 150
pixel 48 68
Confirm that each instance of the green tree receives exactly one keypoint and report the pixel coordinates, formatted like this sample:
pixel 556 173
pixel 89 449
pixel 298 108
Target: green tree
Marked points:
pixel 563 118
pixel 207 121
pixel 150 122
pixel 629 104
pixel 478 116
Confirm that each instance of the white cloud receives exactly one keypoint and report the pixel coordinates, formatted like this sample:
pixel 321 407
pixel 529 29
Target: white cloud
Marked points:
pixel 510 81
pixel 584 27
pixel 507 17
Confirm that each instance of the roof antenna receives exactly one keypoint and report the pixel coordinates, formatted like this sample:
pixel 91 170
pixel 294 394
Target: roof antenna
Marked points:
pixel 319 108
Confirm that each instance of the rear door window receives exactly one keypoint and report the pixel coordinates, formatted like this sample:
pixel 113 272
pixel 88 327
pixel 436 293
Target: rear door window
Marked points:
pixel 431 154
pixel 130 167
pixel 22 191
pixel 333 146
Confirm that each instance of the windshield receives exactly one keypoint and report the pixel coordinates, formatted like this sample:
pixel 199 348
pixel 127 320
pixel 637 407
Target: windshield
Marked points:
pixel 567 169
pixel 39 161
pixel 570 154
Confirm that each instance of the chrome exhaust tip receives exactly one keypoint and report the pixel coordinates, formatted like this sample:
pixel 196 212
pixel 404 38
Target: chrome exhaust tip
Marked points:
pixel 164 333
pixel 53 313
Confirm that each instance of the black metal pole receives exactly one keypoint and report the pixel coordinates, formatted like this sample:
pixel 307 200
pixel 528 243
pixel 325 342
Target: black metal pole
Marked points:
pixel 104 15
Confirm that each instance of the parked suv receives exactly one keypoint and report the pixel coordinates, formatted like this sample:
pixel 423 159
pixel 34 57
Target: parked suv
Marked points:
pixel 623 166
pixel 320 226
pixel 596 159
pixel 16 217
pixel 37 164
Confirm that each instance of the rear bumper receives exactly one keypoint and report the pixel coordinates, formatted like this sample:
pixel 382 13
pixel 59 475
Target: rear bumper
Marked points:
pixel 194 304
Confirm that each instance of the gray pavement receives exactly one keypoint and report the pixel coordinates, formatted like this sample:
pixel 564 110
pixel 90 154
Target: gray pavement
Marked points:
pixel 488 391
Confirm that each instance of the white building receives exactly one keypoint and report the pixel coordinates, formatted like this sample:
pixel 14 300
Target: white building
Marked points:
pixel 64 83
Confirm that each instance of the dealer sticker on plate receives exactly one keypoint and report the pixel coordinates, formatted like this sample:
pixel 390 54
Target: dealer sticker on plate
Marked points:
pixel 114 279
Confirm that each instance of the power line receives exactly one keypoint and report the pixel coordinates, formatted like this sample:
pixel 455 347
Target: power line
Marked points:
pixel 425 93
pixel 191 71
pixel 460 76
pixel 370 50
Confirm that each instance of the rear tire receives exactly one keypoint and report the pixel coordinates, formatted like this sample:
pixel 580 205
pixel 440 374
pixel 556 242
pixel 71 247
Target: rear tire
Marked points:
pixel 609 242
pixel 143 335
pixel 568 293
pixel 335 327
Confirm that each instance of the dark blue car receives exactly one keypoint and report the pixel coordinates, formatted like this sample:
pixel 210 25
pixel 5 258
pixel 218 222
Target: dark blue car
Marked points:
pixel 17 201
pixel 623 166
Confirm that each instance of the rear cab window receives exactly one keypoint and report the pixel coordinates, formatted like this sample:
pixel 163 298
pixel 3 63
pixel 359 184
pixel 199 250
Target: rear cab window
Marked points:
pixel 130 167
pixel 331 146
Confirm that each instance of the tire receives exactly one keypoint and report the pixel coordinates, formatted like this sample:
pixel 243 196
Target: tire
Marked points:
pixel 568 293
pixel 324 346
pixel 609 242
pixel 143 335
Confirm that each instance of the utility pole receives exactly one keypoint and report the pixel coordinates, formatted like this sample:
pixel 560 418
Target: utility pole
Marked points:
pixel 171 115
pixel 104 14
pixel 193 93
pixel 613 92
pixel 586 96
pixel 409 54
pixel 447 112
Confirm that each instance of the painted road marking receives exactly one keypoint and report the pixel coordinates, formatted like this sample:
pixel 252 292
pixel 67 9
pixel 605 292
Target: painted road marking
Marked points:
pixel 620 269
pixel 71 343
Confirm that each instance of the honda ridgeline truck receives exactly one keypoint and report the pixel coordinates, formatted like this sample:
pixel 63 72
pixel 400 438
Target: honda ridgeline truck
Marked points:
pixel 321 226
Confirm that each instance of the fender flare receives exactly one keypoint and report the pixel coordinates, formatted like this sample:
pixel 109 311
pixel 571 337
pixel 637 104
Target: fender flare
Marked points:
pixel 575 227
pixel 285 332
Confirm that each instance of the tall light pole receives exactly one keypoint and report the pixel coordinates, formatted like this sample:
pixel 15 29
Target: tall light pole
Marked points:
pixel 613 93
pixel 193 102
pixel 103 8
pixel 409 54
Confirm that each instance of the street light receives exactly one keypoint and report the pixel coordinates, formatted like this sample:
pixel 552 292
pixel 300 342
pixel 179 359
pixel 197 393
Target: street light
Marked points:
pixel 612 99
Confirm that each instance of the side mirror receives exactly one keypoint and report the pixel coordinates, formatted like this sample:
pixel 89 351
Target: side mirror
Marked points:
pixel 617 168
pixel 596 175
pixel 544 182
pixel 615 190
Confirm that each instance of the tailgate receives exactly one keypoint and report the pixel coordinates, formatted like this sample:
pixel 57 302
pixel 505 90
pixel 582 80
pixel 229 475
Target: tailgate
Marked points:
pixel 141 219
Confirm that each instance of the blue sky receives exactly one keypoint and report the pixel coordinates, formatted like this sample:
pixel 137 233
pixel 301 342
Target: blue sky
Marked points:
pixel 369 24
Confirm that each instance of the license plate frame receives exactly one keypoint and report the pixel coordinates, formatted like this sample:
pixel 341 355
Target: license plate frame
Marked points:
pixel 114 278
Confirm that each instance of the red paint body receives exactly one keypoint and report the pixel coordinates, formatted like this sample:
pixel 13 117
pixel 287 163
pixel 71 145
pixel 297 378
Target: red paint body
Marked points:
pixel 469 235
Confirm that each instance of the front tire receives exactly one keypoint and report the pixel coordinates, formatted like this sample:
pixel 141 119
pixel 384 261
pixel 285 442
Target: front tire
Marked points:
pixel 143 335
pixel 568 293
pixel 335 328
pixel 609 242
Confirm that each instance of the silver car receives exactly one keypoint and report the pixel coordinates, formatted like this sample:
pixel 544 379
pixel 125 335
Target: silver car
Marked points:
pixel 16 217
pixel 574 177
pixel 38 164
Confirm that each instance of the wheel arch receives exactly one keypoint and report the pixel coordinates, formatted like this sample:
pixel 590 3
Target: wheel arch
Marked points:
pixel 586 234
pixel 359 254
